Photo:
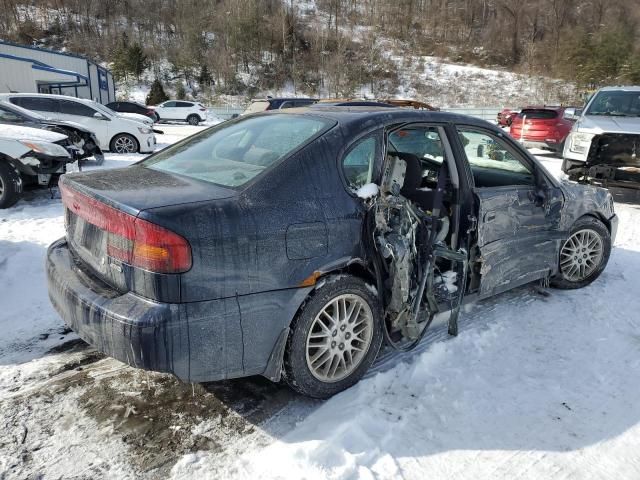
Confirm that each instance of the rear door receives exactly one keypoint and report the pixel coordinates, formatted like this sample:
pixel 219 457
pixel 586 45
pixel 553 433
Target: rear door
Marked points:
pixel 518 211
pixel 184 109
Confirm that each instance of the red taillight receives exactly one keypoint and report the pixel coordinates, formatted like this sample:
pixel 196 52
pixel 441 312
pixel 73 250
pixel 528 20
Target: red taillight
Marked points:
pixel 203 109
pixel 132 240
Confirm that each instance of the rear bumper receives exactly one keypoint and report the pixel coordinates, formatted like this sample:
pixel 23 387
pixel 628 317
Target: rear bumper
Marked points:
pixel 196 341
pixel 557 147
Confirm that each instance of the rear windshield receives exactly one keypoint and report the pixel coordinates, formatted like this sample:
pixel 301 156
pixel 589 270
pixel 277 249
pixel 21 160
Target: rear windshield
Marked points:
pixel 233 153
pixel 257 107
pixel 538 114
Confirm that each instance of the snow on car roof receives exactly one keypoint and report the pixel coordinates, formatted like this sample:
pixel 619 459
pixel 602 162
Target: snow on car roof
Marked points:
pixel 14 132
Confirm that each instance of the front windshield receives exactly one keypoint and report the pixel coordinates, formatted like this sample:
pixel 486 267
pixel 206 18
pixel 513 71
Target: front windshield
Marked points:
pixel 233 153
pixel 615 103
pixel 102 109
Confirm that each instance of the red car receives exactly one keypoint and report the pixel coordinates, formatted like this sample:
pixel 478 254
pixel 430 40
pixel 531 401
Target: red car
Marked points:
pixel 506 116
pixel 542 127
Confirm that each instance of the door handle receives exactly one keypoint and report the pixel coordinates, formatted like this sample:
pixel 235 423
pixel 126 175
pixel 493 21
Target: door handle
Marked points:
pixel 489 216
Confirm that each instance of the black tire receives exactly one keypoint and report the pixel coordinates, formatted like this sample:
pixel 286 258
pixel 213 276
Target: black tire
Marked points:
pixel 297 372
pixel 124 138
pixel 591 224
pixel 9 184
pixel 193 120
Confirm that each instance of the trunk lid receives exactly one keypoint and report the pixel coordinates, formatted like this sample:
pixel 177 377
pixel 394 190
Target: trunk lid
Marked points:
pixel 534 123
pixel 101 216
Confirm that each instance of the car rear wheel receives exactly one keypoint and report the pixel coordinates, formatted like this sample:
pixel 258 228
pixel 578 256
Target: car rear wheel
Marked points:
pixel 334 339
pixel 584 255
pixel 193 119
pixel 124 143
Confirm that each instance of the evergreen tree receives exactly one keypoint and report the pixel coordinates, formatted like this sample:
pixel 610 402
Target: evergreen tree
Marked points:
pixel 138 61
pixel 156 94
pixel 120 66
pixel 205 79
pixel 181 93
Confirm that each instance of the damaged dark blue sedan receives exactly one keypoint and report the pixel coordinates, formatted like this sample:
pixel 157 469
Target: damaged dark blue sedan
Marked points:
pixel 293 244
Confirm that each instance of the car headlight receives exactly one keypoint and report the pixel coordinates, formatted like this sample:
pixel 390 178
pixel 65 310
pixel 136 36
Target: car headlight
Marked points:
pixel 144 130
pixel 51 149
pixel 581 142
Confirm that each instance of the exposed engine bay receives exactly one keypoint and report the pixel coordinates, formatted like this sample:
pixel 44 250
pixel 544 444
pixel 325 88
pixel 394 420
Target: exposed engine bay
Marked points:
pixel 613 160
pixel 420 274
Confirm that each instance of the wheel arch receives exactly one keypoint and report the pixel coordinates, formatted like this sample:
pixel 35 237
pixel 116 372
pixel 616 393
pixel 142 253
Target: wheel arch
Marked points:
pixel 124 133
pixel 597 216
pixel 355 267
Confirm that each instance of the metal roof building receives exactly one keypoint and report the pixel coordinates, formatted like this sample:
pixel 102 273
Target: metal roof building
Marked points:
pixel 26 69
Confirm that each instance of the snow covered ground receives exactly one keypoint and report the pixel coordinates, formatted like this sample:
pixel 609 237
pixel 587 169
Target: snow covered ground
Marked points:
pixel 533 387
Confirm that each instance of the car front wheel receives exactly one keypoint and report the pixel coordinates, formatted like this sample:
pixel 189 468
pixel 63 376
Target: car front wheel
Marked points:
pixel 584 255
pixel 124 143
pixel 9 184
pixel 334 339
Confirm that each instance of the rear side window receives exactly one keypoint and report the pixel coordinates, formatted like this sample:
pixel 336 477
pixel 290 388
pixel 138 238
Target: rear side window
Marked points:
pixel 538 114
pixel 234 153
pixel 184 104
pixel 38 104
pixel 357 165
pixel 76 108
pixel 169 104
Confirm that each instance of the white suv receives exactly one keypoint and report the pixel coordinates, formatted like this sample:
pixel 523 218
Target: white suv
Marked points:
pixel 114 132
pixel 190 112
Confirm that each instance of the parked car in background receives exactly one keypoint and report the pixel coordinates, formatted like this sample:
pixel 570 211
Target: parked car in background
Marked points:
pixel 270 103
pixel 542 127
pixel 30 156
pixel 82 138
pixel 603 147
pixel 133 107
pixel 351 103
pixel 506 116
pixel 290 243
pixel 114 132
pixel 181 110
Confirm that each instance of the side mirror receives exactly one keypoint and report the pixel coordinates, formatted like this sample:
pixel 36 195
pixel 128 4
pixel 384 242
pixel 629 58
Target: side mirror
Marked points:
pixel 572 113
pixel 99 116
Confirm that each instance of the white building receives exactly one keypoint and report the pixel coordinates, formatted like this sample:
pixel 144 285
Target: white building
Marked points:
pixel 37 70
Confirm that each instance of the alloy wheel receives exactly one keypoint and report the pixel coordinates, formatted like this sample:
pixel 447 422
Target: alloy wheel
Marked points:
pixel 581 255
pixel 339 338
pixel 124 145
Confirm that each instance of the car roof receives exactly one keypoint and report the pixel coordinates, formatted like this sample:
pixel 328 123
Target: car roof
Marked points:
pixel 271 99
pixel 47 95
pixel 624 88
pixel 357 116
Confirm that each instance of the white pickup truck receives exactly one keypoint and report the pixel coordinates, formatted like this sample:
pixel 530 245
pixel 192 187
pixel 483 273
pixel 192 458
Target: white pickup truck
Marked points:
pixel 603 147
pixel 30 156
